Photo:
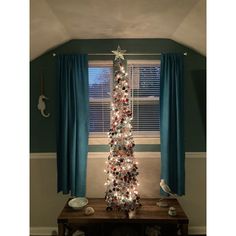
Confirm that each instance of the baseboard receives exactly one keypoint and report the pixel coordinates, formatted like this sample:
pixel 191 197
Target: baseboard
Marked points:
pixel 197 230
pixel 43 231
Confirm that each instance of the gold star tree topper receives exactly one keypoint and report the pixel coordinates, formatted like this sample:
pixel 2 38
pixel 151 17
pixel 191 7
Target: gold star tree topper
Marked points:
pixel 119 53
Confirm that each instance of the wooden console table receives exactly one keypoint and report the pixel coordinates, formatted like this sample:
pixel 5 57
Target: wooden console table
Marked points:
pixel 148 214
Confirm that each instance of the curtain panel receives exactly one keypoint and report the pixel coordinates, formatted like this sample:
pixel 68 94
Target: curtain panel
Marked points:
pixel 172 123
pixel 72 124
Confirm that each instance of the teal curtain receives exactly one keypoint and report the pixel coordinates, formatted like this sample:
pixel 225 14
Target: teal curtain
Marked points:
pixel 171 122
pixel 72 124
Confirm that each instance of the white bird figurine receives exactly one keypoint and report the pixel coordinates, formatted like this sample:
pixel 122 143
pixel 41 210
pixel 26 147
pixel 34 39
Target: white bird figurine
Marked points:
pixel 166 188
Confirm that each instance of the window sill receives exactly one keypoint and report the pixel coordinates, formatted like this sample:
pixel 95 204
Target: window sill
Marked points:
pixel 138 139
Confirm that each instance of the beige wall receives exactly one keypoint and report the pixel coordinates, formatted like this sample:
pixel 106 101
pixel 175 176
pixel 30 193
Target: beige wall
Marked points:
pixel 46 204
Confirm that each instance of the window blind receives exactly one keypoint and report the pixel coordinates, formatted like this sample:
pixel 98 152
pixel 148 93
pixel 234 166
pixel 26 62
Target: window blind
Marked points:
pixel 145 93
pixel 144 80
pixel 99 98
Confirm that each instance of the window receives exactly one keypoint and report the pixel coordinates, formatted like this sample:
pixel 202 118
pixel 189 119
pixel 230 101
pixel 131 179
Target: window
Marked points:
pixel 144 80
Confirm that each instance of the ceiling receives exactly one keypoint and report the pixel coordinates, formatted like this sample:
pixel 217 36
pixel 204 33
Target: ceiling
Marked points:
pixel 53 22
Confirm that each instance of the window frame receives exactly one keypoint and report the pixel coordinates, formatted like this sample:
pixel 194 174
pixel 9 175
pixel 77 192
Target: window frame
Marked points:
pixel 140 137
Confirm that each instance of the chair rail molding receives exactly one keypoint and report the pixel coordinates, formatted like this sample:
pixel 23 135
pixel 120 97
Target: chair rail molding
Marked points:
pixel 52 155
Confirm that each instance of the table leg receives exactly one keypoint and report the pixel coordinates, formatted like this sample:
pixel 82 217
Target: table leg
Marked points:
pixel 184 229
pixel 61 229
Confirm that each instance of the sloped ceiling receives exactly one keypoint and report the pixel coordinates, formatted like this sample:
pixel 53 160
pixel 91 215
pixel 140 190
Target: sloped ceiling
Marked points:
pixel 53 22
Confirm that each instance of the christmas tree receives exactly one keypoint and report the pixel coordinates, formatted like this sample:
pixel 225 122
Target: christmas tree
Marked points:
pixel 121 191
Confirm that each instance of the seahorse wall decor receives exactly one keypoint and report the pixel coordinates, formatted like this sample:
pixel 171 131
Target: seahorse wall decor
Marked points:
pixel 42 105
pixel 41 102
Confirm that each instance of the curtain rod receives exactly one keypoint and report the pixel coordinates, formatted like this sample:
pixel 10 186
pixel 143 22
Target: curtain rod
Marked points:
pixel 126 54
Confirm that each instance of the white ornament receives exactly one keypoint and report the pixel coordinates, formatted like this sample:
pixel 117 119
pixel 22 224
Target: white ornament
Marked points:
pixel 89 211
pixel 131 213
pixel 42 106
pixel 78 233
pixel 172 211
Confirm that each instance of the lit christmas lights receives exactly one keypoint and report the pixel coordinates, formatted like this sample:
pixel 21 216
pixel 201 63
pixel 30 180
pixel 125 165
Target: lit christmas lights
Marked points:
pixel 122 170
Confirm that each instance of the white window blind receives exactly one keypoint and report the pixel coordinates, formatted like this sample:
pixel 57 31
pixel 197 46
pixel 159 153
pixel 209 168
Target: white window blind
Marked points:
pixel 99 98
pixel 144 80
pixel 145 92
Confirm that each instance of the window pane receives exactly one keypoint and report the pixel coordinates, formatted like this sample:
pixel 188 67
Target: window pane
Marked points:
pixel 99 82
pixel 99 119
pixel 145 93
pixel 148 77
pixel 146 117
pixel 99 95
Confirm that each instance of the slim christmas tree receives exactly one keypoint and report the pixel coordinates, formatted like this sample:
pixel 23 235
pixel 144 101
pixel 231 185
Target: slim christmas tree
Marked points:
pixel 121 192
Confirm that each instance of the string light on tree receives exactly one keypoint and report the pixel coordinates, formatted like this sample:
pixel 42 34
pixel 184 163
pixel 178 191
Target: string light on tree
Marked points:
pixel 122 170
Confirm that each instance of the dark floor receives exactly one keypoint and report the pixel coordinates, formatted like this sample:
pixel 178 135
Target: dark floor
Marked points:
pixel 132 230
pixel 144 235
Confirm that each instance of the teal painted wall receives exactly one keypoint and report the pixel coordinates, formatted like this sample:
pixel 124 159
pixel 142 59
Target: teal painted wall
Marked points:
pixel 43 131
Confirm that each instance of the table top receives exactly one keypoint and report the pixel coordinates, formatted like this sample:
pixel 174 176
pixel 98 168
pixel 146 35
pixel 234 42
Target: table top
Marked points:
pixel 149 212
